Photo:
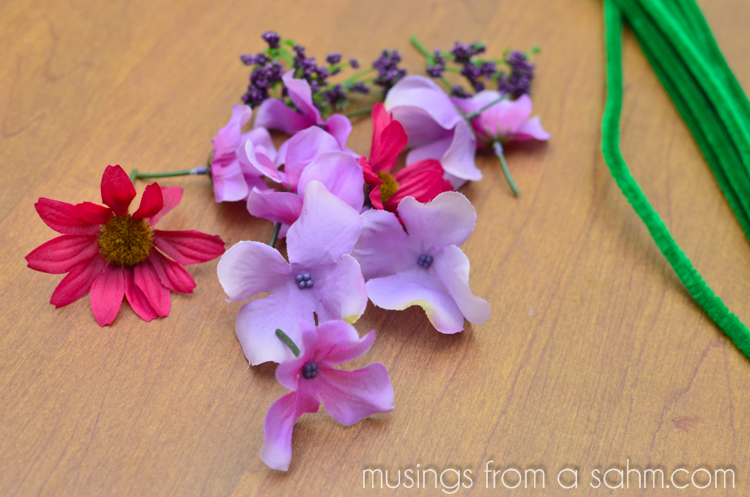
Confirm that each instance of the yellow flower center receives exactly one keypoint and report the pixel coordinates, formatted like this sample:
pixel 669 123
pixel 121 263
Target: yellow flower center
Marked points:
pixel 389 186
pixel 125 241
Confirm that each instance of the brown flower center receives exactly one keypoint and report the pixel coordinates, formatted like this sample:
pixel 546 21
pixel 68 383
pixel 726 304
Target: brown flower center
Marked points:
pixel 125 241
pixel 389 186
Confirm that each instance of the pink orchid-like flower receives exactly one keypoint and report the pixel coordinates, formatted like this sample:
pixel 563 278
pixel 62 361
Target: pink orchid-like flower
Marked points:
pixel 275 114
pixel 422 180
pixel 435 128
pixel 113 254
pixel 423 265
pixel 320 278
pixel 505 121
pixel 348 396
pixel 312 155
pixel 234 175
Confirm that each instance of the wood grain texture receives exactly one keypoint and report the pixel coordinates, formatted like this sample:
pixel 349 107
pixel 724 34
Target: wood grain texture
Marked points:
pixel 594 354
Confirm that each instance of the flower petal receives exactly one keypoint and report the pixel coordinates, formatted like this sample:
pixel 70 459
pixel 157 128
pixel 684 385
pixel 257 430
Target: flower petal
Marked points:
pixel 171 196
pixel 340 173
pixel 340 291
pixel 136 298
pixel 275 114
pixel 171 274
pixel 531 130
pixel 188 247
pixel 350 396
pixel 64 218
pixel 340 127
pixel 452 267
pixel 93 213
pixel 152 202
pixel 228 138
pixel 300 94
pixel 327 228
pixel 449 219
pixel 288 372
pixel 78 282
pixel 415 95
pixel 277 444
pixel 383 248
pixel 338 342
pixel 147 279
pixel 458 160
pixel 229 182
pixel 117 189
pixel 418 287
pixel 424 181
pixel 259 319
pixel 62 254
pixel 303 148
pixel 277 207
pixel 255 162
pixel 106 294
pixel 262 142
pixel 250 268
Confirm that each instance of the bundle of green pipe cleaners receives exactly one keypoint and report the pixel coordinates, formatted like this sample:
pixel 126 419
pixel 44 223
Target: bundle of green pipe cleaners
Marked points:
pixel 680 47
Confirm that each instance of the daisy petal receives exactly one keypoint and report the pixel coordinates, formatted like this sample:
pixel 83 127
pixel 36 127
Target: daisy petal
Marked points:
pixel 171 196
pixel 277 444
pixel 136 298
pixel 152 202
pixel 64 218
pixel 62 254
pixel 78 282
pixel 452 267
pixel 250 268
pixel 350 396
pixel 117 190
pixel 147 279
pixel 171 274
pixel 93 213
pixel 188 247
pixel 106 294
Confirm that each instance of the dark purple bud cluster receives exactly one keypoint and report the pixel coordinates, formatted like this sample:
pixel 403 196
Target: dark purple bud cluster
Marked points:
pixel 518 82
pixel 354 63
pixel 462 53
pixel 272 38
pixel 388 71
pixel 458 92
pixel 335 96
pixel 263 77
pixel 359 88
pixel 436 66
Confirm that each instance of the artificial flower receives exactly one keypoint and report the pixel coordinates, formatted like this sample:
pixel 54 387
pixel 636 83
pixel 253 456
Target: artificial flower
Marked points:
pixel 112 253
pixel 423 265
pixel 320 278
pixel 505 121
pixel 422 180
pixel 312 155
pixel 348 396
pixel 233 178
pixel 275 114
pixel 435 128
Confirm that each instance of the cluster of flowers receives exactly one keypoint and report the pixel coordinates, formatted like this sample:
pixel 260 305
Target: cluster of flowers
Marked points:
pixel 356 228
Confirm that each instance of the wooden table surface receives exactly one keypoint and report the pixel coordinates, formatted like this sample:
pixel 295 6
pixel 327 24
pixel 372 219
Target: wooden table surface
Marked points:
pixel 594 357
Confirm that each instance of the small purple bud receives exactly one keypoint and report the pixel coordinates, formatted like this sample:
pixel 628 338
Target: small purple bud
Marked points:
pixel 354 63
pixel 272 38
pixel 334 58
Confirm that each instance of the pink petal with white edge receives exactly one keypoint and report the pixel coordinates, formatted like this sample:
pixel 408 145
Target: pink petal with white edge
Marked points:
pixel 62 254
pixel 532 130
pixel 418 287
pixel 452 267
pixel 171 274
pixel 250 268
pixel 259 319
pixel 275 114
pixel 447 220
pixel 147 279
pixel 339 290
pixel 383 248
pixel 277 444
pixel 106 294
pixel 277 207
pixel 340 173
pixel 262 141
pixel 64 218
pixel 78 282
pixel 172 196
pixel 340 127
pixel 350 396
pixel 339 342
pixel 188 247
pixel 326 230
pixel 136 298
pixel 422 94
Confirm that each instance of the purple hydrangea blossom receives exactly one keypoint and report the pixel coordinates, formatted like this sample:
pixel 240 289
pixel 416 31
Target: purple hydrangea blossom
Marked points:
pixel 420 263
pixel 318 245
pixel 348 396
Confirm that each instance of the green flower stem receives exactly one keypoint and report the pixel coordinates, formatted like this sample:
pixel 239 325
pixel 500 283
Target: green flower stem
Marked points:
pixel 497 147
pixel 134 175
pixel 418 45
pixel 275 234
pixel 288 342
pixel 356 76
pixel 474 114
pixel 360 112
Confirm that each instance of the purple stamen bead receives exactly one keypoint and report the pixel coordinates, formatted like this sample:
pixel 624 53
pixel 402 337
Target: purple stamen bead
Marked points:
pixel 304 280
pixel 310 370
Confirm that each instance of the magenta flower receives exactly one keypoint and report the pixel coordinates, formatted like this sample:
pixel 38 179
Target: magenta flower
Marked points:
pixel 423 265
pixel 348 396
pixel 320 278
pixel 435 128
pixel 232 177
pixel 312 155
pixel 506 121
pixel 275 114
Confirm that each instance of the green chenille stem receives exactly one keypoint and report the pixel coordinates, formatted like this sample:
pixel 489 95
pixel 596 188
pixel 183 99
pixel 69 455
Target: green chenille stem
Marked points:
pixel 288 342
pixel 497 147
pixel 694 283
pixel 275 234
